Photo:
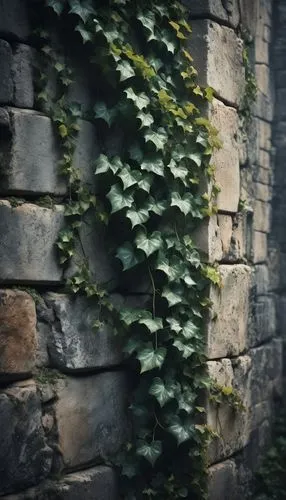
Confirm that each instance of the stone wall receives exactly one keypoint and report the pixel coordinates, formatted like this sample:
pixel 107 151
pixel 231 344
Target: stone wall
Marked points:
pixel 63 390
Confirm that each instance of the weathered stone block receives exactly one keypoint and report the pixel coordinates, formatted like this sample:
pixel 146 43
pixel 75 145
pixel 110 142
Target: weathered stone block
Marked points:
pixel 249 16
pixel 14 20
pixel 226 159
pixel 261 216
pixel 262 279
pixel 6 88
pixel 264 134
pixel 222 11
pixel 263 192
pixel 98 483
pixel 207 239
pixel 73 342
pixel 227 326
pixel 232 426
pixel 22 71
pixel 217 54
pixel 27 243
pixel 17 334
pixel 266 373
pixel 222 481
pixel 96 407
pixel 24 457
pixel 264 319
pixel 233 236
pixel 259 247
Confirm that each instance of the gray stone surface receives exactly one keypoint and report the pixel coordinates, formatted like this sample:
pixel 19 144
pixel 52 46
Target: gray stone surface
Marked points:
pixel 73 343
pixel 227 327
pixel 217 54
pixel 6 87
pixel 22 71
pixel 264 320
pixel 261 279
pixel 266 371
pixel 98 483
pixel 226 159
pixel 222 480
pixel 222 10
pixel 17 335
pixel 259 247
pixel 14 22
pixel 28 234
pixel 94 406
pixel 24 457
pixel 233 427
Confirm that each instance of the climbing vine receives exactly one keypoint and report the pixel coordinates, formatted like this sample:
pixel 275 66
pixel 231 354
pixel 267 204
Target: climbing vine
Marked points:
pixel 150 200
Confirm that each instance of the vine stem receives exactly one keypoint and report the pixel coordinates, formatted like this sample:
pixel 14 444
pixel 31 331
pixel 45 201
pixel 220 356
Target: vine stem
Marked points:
pixel 153 304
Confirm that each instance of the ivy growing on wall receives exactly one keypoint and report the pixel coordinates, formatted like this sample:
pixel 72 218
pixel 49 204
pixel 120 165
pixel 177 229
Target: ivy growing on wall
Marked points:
pixel 154 191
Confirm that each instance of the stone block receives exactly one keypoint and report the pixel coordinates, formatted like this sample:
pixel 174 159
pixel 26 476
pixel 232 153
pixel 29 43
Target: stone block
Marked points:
pixel 227 325
pixel 208 240
pixel 22 71
pixel 27 243
pixel 261 279
pixel 226 159
pixel 222 481
pixel 281 316
pixel 217 53
pixel 249 12
pixel 73 342
pixel 24 457
pixel 232 426
pixel 228 11
pixel 264 134
pixel 266 372
pixel 96 407
pixel 261 216
pixel 259 247
pixel 14 23
pixel 97 483
pixel 264 320
pixel 263 192
pixel 6 88
pixel 17 334
pixel 233 236
pixel 264 105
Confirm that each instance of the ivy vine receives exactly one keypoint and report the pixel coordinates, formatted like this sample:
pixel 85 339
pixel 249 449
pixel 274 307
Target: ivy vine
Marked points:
pixel 151 199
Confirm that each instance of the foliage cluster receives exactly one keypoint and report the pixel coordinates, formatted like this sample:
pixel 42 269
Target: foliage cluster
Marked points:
pixel 151 197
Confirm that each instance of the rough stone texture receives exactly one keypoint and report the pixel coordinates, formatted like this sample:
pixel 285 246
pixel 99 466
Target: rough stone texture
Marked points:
pixel 261 216
pixel 27 243
pixel 222 480
pixel 73 343
pixel 96 407
pixel 264 319
pixel 266 371
pixel 227 328
pixel 98 483
pixel 14 20
pixel 207 239
pixel 232 426
pixel 17 334
pixel 6 88
pixel 259 247
pixel 22 71
pixel 226 159
pixel 227 11
pixel 217 54
pixel 264 107
pixel 24 457
pixel 262 279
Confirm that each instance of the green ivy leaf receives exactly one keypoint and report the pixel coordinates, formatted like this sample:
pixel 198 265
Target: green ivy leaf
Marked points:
pixel 83 9
pixel 102 111
pixel 127 256
pixel 149 245
pixel 103 164
pixel 151 358
pixel 178 171
pixel 128 177
pixel 159 138
pixel 181 431
pixel 153 164
pixel 150 452
pixel 172 297
pixel 85 34
pixel 183 203
pixel 186 349
pixel 146 182
pixel 126 70
pixel 141 100
pixel 56 5
pixel 190 330
pixel 129 316
pixel 158 207
pixel 145 118
pixel 137 217
pixel 161 391
pixel 174 325
pixel 148 21
pixel 118 198
pixel 153 324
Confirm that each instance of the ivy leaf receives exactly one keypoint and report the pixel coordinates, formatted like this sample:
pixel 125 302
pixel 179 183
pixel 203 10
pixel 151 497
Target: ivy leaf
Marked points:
pixel 136 152
pixel 149 245
pixel 184 204
pixel 196 158
pixel 178 171
pixel 174 325
pixel 182 432
pixel 150 452
pixel 56 5
pixel 185 349
pixel 172 297
pixel 145 118
pixel 158 207
pixel 154 165
pixel 126 70
pixel 102 111
pixel 118 198
pixel 83 9
pixel 128 177
pixel 129 316
pixel 145 182
pixel 85 34
pixel 148 21
pixel 168 41
pixel 151 358
pixel 137 217
pixel 164 266
pixel 163 393
pixel 158 138
pixel 153 324
pixel 141 100
pixel 127 256
pixel 132 345
pixel 104 164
